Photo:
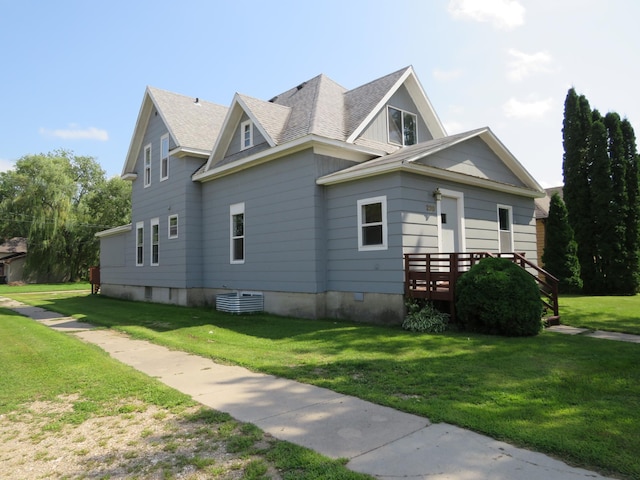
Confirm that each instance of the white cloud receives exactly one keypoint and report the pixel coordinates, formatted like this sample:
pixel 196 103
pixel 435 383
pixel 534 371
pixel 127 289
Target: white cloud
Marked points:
pixel 6 165
pixel 529 109
pixel 503 14
pixel 75 133
pixel 524 64
pixel 446 75
pixel 452 127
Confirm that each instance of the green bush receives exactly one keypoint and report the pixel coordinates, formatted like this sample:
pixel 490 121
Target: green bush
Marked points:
pixel 498 297
pixel 424 318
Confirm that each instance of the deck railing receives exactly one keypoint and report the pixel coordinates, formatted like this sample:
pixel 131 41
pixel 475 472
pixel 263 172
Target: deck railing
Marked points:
pixel 434 275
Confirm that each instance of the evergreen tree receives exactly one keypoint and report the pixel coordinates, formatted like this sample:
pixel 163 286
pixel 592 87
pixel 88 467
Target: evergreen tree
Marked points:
pixel 616 274
pixel 603 225
pixel 576 170
pixel 632 220
pixel 560 255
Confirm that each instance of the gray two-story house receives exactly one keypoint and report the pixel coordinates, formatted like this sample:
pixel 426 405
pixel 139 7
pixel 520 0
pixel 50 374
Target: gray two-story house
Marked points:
pixel 310 198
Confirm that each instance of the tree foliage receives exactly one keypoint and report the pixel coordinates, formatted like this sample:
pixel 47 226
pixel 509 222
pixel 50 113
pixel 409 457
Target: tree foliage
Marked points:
pixel 600 169
pixel 58 201
pixel 560 256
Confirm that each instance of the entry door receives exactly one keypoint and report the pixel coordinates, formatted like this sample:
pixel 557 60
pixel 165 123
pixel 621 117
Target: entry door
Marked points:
pixel 450 225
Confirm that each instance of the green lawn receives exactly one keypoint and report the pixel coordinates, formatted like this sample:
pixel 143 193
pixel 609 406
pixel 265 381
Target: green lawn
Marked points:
pixel 615 314
pixel 41 364
pixel 43 287
pixel 574 397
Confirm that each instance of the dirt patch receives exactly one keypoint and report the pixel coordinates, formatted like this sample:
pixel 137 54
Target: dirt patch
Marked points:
pixel 140 441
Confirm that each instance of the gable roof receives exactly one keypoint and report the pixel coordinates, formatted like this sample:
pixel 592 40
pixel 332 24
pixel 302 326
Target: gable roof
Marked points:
pixel 322 108
pixel 193 124
pixel 410 159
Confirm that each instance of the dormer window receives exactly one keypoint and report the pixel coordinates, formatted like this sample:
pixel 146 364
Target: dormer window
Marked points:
pixel 246 135
pixel 402 127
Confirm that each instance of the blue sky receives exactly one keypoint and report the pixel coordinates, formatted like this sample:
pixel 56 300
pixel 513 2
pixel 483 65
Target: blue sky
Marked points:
pixel 74 72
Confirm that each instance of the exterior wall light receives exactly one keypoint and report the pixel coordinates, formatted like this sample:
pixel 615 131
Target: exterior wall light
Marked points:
pixel 437 195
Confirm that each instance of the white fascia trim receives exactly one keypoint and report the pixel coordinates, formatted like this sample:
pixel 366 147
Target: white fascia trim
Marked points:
pixel 319 144
pixel 129 176
pixel 180 152
pixel 372 114
pixel 114 231
pixel 431 172
pixel 256 123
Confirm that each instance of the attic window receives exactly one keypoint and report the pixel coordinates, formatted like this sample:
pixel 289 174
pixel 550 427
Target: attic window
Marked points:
pixel 246 135
pixel 402 127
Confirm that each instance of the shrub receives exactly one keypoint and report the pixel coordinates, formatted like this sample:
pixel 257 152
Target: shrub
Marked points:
pixel 498 297
pixel 424 318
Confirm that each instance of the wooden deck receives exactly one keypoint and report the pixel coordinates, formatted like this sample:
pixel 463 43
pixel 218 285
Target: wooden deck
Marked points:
pixel 434 275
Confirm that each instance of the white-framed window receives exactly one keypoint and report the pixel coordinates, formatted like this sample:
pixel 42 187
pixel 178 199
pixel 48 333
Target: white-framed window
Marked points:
pixel 246 135
pixel 173 226
pixel 505 228
pixel 372 223
pixel 403 126
pixel 139 244
pixel 237 231
pixel 147 165
pixel 164 157
pixel 155 241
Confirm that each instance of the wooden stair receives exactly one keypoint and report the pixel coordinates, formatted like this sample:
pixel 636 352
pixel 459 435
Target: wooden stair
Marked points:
pixel 433 276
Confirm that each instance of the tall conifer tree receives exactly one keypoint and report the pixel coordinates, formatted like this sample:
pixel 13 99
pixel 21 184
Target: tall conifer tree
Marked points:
pixel 632 221
pixel 560 252
pixel 577 197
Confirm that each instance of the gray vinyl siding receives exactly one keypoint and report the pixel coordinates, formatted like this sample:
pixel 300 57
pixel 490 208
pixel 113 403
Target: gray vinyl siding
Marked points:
pixel 377 130
pixel 474 158
pixel 282 242
pixel 179 258
pixel 351 270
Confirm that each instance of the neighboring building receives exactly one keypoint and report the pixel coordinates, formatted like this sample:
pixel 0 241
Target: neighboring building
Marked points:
pixel 13 255
pixel 542 213
pixel 311 198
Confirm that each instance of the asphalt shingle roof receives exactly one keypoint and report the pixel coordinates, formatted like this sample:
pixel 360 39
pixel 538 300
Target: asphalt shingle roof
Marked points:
pixel 192 124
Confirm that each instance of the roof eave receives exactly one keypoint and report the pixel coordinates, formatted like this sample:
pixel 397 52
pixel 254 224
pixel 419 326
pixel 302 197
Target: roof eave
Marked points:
pixel 320 145
pixel 114 231
pixel 432 172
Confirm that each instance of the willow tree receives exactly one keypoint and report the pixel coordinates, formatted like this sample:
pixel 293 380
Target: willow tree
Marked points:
pixel 50 200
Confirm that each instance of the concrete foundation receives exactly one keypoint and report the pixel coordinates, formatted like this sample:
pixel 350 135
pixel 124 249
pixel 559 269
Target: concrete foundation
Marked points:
pixel 378 308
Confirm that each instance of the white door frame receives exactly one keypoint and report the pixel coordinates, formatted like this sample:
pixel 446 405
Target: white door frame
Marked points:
pixel 459 196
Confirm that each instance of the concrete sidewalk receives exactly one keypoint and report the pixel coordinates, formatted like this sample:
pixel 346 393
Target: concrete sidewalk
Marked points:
pixel 377 440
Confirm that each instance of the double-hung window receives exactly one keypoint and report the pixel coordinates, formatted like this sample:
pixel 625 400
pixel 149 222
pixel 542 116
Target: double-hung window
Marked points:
pixel 236 214
pixel 173 226
pixel 372 223
pixel 139 244
pixel 155 241
pixel 147 165
pixel 402 127
pixel 246 135
pixel 164 157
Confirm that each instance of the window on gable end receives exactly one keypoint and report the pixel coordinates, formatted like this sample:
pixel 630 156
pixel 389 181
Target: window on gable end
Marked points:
pixel 402 126
pixel 147 165
pixel 164 157
pixel 246 135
